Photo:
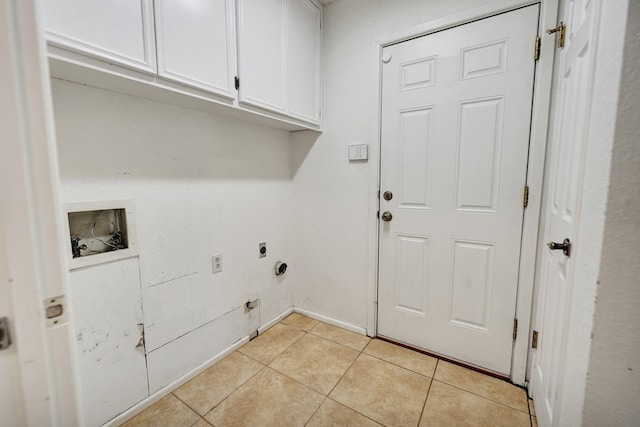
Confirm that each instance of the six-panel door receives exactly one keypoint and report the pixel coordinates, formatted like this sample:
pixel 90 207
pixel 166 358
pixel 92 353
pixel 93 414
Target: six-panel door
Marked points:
pixel 456 109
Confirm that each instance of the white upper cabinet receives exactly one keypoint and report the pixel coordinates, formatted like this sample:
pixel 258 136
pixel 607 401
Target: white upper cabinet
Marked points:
pixel 117 31
pixel 304 61
pixel 279 56
pixel 262 53
pixel 192 51
pixel 196 43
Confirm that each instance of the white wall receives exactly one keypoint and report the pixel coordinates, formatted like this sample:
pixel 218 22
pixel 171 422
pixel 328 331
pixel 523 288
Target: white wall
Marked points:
pixel 613 382
pixel 201 185
pixel 332 197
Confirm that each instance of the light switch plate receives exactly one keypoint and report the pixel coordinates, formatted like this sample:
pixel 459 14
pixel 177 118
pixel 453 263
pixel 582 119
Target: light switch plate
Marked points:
pixel 359 152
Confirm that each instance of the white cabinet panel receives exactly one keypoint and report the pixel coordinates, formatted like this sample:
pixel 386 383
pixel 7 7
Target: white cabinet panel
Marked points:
pixel 107 312
pixel 262 53
pixel 304 60
pixel 119 31
pixel 196 43
pixel 279 57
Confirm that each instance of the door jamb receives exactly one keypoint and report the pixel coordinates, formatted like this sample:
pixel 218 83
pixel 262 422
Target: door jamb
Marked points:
pixel 537 149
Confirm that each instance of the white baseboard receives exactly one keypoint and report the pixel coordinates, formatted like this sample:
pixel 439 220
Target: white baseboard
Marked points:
pixel 331 321
pixel 272 322
pixel 142 405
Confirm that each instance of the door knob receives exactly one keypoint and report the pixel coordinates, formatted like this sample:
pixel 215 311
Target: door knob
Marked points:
pixel 386 216
pixel 565 246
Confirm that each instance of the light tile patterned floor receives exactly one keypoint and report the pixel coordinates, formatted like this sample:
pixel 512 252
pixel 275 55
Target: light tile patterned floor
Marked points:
pixel 304 372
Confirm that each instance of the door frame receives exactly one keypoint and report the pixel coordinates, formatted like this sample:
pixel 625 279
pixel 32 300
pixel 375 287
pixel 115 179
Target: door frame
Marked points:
pixel 32 222
pixel 535 172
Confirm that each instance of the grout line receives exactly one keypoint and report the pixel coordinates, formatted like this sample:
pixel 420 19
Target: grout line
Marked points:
pixel 186 404
pixel 314 412
pixel 424 406
pixel 335 342
pixel 399 366
pixel 483 397
pixel 236 389
pixel 356 411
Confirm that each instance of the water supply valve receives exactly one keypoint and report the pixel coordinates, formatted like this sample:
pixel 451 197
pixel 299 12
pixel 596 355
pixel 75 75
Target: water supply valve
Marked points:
pixel 281 268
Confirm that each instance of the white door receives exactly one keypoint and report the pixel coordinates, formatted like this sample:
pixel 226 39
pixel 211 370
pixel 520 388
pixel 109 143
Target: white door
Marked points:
pixel 564 180
pixel 455 135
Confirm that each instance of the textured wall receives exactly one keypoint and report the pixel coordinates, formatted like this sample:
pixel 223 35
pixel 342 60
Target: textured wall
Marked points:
pixel 613 382
pixel 201 185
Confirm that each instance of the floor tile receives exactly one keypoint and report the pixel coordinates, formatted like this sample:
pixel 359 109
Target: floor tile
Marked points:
pixel 534 421
pixel 271 343
pixel 213 385
pixel 340 336
pixel 202 423
pixel 382 391
pixel 483 385
pixel 267 399
pixel 315 362
pixel 169 411
pixel 299 321
pixel 409 359
pixel 450 406
pixel 532 408
pixel 331 413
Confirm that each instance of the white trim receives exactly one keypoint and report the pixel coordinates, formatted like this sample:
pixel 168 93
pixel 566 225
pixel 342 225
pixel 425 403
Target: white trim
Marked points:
pixel 153 398
pixel 541 99
pixel 331 321
pixel 142 405
pixel 274 321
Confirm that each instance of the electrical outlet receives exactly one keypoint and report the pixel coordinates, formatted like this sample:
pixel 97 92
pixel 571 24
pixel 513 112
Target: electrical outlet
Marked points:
pixel 217 263
pixel 262 249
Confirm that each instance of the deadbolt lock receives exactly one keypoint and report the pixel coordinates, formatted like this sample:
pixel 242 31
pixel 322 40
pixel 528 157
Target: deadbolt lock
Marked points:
pixel 387 195
pixel 565 246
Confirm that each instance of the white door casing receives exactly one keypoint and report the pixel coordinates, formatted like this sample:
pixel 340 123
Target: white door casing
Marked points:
pixel 564 182
pixel 42 378
pixel 449 257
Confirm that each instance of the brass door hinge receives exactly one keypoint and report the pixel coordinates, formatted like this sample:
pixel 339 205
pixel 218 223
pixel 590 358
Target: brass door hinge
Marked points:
pixel 525 196
pixel 534 340
pixel 515 328
pixel 561 30
pixel 536 48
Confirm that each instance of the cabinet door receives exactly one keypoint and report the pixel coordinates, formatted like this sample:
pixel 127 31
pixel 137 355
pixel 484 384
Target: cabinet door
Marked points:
pixel 304 61
pixel 262 53
pixel 119 31
pixel 196 43
pixel 107 314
